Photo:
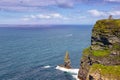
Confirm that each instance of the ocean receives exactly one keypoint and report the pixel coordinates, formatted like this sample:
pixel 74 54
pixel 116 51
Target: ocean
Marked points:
pixel 32 52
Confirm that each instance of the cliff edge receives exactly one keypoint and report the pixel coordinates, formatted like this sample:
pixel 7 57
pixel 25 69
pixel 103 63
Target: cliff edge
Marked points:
pixel 101 61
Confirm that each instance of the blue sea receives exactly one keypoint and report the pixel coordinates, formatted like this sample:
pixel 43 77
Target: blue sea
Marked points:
pixel 32 52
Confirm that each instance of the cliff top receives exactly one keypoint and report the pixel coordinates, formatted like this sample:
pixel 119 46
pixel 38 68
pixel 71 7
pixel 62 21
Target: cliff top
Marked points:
pixel 107 26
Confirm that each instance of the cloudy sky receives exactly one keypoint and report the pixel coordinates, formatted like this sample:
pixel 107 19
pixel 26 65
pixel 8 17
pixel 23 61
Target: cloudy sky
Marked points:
pixel 57 11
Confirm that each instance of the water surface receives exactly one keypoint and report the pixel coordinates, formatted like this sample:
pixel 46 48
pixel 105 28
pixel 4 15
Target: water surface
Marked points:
pixel 26 50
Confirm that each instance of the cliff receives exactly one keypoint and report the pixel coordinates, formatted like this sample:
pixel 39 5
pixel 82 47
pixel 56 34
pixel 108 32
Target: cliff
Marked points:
pixel 101 61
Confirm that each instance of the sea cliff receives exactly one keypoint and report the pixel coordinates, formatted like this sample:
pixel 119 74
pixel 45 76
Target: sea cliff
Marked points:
pixel 101 61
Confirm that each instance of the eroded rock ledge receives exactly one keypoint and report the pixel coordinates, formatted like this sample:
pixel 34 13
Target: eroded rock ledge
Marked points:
pixel 101 61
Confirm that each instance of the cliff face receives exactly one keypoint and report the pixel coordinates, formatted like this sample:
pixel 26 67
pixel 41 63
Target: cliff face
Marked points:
pixel 101 61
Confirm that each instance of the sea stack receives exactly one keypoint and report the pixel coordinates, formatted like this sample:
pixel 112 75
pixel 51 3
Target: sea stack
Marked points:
pixel 67 62
pixel 101 60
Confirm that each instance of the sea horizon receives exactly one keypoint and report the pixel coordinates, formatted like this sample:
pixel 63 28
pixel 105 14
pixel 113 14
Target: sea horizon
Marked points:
pixel 42 25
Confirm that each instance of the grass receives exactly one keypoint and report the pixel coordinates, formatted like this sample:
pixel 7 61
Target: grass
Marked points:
pixel 97 53
pixel 107 71
pixel 87 51
pixel 100 53
pixel 107 26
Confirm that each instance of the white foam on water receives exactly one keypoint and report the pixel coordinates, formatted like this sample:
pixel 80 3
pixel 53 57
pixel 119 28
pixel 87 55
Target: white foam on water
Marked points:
pixel 73 72
pixel 46 66
pixel 69 35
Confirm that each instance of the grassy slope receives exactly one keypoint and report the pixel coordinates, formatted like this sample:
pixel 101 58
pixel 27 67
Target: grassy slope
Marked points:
pixel 106 71
pixel 96 53
pixel 107 26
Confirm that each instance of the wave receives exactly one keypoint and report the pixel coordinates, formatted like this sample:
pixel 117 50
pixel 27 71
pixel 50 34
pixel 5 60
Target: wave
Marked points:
pixel 46 66
pixel 73 72
pixel 69 35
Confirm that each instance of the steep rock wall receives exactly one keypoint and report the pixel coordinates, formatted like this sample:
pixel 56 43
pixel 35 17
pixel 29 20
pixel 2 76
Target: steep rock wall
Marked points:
pixel 104 53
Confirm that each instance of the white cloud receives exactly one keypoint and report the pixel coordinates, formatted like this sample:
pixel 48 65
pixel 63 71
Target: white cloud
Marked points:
pixel 25 19
pixel 114 13
pixel 97 13
pixel 44 16
pixel 56 15
pixel 112 0
pixel 33 5
pixel 32 16
pixel 41 16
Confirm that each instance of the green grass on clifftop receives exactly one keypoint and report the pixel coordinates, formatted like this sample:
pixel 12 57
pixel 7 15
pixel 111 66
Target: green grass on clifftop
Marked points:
pixel 97 53
pixel 87 51
pixel 111 72
pixel 100 53
pixel 107 26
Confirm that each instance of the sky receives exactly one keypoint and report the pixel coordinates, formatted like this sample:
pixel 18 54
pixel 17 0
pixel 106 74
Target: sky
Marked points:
pixel 57 11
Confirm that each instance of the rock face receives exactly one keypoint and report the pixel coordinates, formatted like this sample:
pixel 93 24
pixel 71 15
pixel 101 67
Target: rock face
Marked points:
pixel 67 62
pixel 101 61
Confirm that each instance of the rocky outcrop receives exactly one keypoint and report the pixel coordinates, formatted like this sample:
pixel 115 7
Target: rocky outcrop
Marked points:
pixel 104 53
pixel 67 62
